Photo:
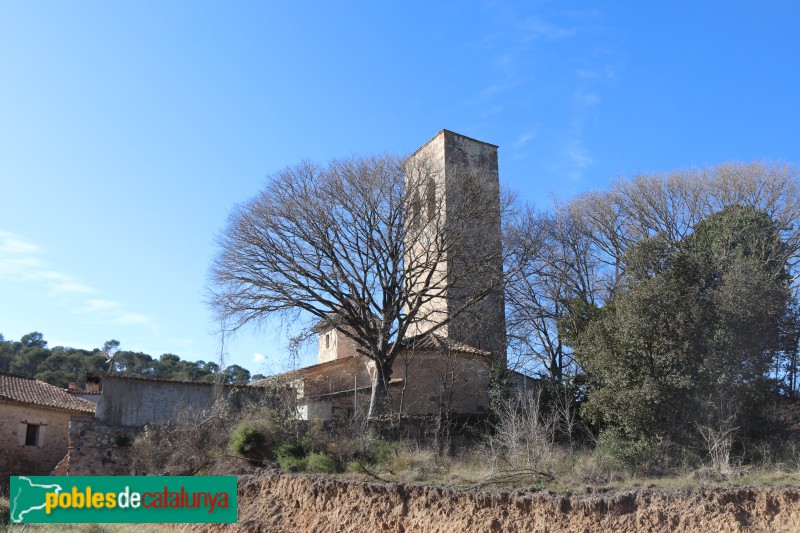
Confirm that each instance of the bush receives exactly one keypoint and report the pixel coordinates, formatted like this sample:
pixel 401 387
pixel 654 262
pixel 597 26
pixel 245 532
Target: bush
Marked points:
pixel 524 435
pixel 593 467
pixel 293 464
pixel 322 464
pixel 195 441
pixel 249 441
pixel 645 454
pixel 380 451
pixel 314 438
pixel 292 457
pixel 291 449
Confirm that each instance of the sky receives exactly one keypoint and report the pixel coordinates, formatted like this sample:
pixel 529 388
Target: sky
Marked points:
pixel 129 130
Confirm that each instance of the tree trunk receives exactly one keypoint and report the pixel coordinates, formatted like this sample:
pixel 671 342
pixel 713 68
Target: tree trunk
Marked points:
pixel 379 401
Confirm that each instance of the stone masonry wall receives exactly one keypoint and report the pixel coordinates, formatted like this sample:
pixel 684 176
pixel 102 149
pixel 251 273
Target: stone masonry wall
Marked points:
pixel 135 402
pixel 464 192
pixel 38 460
pixel 98 449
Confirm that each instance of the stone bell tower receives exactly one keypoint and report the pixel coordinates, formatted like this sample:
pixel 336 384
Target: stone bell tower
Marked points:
pixel 453 190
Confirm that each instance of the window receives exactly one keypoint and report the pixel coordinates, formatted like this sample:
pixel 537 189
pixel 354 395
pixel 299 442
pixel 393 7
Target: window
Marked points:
pixel 416 207
pixel 327 340
pixel 32 435
pixel 431 193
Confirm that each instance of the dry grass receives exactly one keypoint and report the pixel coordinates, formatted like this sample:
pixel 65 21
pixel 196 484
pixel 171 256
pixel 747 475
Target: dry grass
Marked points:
pixel 4 508
pixel 422 465
pixel 565 471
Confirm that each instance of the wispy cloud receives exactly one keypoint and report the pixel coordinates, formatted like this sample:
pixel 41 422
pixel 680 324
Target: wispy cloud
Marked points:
pixel 21 262
pixel 520 146
pixel 587 98
pixel 258 357
pixel 535 29
pixel 573 158
pixel 73 286
pixel 97 305
pixel 131 319
pixel 524 139
pixel 180 341
pixel 576 158
pixel 515 47
pixel 12 245
pixel 111 312
pixel 550 65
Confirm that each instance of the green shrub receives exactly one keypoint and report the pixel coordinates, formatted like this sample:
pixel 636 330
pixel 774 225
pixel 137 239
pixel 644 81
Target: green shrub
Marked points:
pixel 322 464
pixel 643 454
pixel 293 464
pixel 314 438
pixel 292 457
pixel 381 451
pixel 291 449
pixel 249 441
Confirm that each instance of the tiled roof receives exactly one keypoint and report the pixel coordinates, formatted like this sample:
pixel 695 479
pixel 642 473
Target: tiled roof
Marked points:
pixel 425 341
pixel 434 341
pixel 34 392
pixel 326 366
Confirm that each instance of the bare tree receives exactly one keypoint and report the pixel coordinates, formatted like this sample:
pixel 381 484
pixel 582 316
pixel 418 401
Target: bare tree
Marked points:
pixel 361 245
pixel 550 265
pixel 579 251
pixel 524 436
pixel 670 205
pixel 718 431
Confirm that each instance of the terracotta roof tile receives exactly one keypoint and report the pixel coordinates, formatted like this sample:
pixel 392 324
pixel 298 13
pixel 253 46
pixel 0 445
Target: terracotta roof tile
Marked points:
pixel 31 391
pixel 433 341
pixel 327 365
pixel 425 341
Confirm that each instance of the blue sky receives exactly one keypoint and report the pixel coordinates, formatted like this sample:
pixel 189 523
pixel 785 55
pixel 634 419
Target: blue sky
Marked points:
pixel 129 131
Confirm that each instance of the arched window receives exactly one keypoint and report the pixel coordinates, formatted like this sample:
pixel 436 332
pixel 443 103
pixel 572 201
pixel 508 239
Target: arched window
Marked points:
pixel 431 196
pixel 416 207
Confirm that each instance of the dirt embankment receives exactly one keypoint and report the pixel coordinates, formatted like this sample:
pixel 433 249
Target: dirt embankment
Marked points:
pixel 273 501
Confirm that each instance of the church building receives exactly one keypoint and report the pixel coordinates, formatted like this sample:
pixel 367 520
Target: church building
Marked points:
pixel 447 369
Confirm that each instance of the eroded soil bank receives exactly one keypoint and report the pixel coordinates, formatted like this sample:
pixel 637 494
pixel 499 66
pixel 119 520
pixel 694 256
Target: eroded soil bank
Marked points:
pixel 274 501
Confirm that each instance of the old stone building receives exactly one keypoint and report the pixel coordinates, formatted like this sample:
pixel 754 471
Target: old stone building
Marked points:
pixel 446 364
pixel 431 374
pixel 135 401
pixel 34 422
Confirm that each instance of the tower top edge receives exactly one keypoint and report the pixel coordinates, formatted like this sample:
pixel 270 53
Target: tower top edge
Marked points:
pixel 446 132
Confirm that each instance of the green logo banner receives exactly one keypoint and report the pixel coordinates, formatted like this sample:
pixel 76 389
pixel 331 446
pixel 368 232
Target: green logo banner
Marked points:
pixel 122 499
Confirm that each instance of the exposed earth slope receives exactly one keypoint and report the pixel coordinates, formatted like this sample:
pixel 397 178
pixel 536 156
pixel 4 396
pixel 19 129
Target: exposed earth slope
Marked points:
pixel 274 501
